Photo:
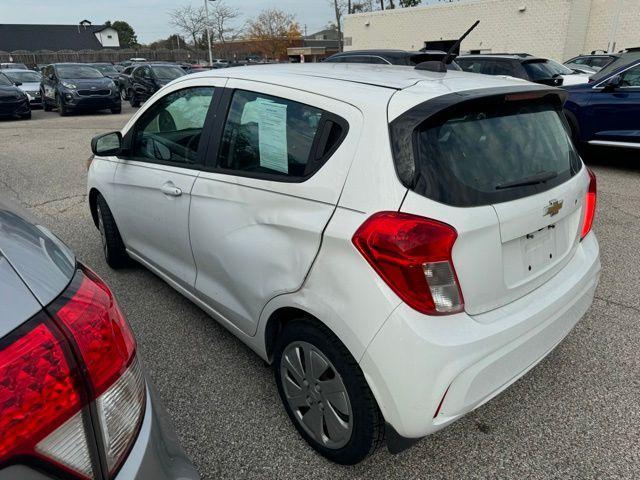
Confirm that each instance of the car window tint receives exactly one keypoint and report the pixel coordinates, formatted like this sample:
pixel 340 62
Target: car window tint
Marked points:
pixel 170 130
pixel 268 135
pixel 499 68
pixel 631 78
pixel 599 62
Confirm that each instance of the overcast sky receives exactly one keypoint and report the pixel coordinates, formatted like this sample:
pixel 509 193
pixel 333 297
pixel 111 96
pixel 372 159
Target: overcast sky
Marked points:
pixel 149 18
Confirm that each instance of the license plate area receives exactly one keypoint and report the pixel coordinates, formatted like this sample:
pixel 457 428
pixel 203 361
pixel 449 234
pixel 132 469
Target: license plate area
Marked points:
pixel 529 256
pixel 539 249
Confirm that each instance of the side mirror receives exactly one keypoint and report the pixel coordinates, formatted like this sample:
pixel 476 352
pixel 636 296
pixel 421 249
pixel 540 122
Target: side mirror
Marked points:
pixel 17 84
pixel 612 83
pixel 107 144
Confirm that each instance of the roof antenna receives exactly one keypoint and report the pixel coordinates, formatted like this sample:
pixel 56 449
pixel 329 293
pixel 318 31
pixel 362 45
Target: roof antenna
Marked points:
pixel 441 66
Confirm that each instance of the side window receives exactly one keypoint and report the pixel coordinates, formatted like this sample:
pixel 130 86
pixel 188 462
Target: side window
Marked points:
pixel 501 68
pixel 580 61
pixel 265 135
pixel 631 78
pixel 170 130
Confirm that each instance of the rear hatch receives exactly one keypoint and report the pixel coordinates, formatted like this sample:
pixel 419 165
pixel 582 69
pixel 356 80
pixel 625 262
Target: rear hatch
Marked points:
pixel 497 165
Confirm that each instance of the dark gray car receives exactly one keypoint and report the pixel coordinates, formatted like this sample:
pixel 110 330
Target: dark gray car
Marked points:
pixel 74 401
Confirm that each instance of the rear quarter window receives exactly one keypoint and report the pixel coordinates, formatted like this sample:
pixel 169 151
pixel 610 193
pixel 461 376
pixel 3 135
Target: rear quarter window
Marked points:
pixel 484 153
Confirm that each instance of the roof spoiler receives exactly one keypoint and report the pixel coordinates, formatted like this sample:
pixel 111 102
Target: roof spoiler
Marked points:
pixel 441 67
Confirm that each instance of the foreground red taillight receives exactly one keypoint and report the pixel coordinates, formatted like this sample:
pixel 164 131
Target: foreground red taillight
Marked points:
pixel 589 205
pixel 412 255
pixel 82 351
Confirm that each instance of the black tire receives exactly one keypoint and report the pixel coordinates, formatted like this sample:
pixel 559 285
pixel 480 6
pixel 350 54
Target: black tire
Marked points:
pixel 134 101
pixel 45 104
pixel 367 432
pixel 116 110
pixel 26 116
pixel 113 247
pixel 62 108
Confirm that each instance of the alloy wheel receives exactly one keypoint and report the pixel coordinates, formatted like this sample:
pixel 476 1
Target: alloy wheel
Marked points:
pixel 316 394
pixel 103 235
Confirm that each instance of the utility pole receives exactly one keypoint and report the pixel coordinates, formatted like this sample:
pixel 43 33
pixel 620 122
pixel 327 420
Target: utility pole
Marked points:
pixel 614 28
pixel 206 13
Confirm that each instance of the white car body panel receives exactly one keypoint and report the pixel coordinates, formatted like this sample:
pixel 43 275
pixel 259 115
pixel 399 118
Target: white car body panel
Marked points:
pixel 261 246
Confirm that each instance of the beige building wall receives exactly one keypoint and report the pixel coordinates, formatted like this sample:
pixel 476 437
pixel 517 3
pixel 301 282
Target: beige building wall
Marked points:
pixel 556 29
pixel 601 20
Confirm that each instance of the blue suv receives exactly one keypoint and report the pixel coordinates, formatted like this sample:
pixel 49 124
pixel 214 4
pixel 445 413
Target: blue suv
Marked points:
pixel 606 111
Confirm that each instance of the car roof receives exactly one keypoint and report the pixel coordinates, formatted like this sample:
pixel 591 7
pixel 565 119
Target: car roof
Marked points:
pixel 17 70
pixel 381 52
pixel 506 56
pixel 345 81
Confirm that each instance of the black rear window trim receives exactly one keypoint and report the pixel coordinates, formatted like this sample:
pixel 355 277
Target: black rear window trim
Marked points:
pixel 403 130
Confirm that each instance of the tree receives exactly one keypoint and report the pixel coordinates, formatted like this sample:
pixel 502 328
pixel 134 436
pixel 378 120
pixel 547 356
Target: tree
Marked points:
pixel 126 33
pixel 172 42
pixel 340 7
pixel 190 21
pixel 274 30
pixel 221 18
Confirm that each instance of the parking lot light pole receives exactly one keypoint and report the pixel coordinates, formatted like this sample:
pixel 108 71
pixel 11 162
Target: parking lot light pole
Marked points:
pixel 208 25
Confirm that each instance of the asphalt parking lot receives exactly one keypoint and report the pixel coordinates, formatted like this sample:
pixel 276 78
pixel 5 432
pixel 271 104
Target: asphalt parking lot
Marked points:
pixel 576 415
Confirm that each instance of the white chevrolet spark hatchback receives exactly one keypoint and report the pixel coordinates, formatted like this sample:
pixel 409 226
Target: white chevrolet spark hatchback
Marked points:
pixel 401 245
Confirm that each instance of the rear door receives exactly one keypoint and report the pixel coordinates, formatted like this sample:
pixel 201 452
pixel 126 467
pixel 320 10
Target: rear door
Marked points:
pixel 616 113
pixel 503 172
pixel 278 161
pixel 152 184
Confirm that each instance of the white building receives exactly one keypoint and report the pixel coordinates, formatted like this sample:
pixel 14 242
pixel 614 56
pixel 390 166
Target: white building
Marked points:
pixel 558 29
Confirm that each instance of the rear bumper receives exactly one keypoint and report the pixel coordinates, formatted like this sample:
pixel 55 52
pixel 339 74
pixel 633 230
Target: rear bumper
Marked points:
pixel 415 360
pixel 156 454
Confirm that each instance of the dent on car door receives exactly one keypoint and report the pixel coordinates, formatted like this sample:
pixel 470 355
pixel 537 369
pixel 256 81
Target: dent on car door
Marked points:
pixel 152 185
pixel 616 112
pixel 257 218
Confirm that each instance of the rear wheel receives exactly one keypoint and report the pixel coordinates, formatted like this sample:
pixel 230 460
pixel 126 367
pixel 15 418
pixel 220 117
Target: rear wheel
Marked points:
pixel 325 394
pixel 116 110
pixel 26 116
pixel 113 247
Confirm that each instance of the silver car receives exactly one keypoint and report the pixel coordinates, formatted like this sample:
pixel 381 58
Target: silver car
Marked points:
pixel 74 400
pixel 28 81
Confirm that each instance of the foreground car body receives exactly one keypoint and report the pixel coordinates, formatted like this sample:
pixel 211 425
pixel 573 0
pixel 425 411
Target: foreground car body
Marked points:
pixel 75 403
pixel 606 112
pixel 401 245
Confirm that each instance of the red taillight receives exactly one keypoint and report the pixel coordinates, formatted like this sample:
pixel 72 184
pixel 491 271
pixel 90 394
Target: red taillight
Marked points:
pixel 412 254
pixel 103 337
pixel 589 205
pixel 51 367
pixel 38 389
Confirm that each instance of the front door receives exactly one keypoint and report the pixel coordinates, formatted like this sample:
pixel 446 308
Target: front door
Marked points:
pixel 152 184
pixel 616 114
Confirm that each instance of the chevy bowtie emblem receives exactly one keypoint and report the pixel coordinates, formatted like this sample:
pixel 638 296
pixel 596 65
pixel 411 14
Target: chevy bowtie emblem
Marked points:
pixel 553 208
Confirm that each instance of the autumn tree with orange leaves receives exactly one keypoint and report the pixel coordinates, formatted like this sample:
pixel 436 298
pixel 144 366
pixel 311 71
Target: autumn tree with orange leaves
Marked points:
pixel 274 31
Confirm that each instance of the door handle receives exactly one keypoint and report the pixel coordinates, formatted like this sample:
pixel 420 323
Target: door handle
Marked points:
pixel 171 190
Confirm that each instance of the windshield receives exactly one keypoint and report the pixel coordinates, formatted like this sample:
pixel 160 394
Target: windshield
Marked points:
pixel 105 68
pixel 4 81
pixel 545 69
pixel 24 76
pixel 168 72
pixel 78 72
pixel 488 154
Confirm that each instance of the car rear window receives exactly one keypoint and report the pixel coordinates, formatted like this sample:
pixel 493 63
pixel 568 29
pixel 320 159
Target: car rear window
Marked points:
pixel 543 70
pixel 488 153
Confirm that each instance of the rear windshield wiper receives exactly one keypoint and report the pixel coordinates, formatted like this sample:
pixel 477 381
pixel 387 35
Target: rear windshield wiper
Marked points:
pixel 526 181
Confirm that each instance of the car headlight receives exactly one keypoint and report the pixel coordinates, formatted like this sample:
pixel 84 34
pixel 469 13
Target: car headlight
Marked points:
pixel 69 85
